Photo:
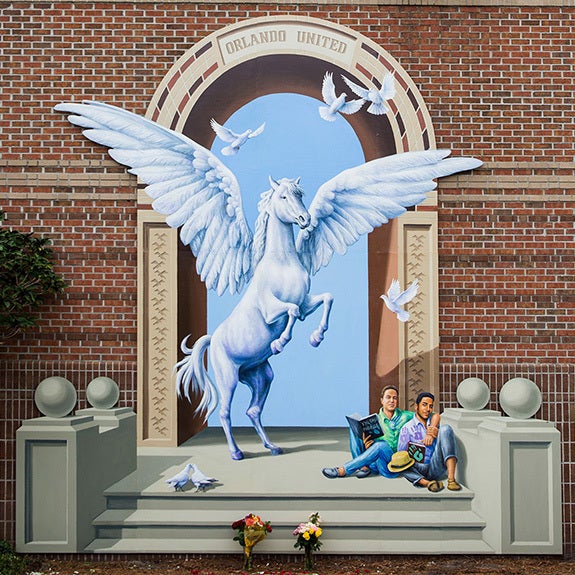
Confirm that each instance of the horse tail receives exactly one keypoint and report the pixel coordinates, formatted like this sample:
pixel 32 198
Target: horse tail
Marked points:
pixel 191 372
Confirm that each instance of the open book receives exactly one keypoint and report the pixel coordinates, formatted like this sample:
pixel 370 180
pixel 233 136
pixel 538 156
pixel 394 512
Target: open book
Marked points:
pixel 369 425
pixel 416 450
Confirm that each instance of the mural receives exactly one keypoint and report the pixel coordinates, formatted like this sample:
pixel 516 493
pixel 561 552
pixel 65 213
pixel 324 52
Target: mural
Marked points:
pixel 199 195
pixel 208 190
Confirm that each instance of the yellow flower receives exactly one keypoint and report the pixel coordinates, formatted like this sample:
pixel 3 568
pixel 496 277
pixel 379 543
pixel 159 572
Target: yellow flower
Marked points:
pixel 306 535
pixel 318 532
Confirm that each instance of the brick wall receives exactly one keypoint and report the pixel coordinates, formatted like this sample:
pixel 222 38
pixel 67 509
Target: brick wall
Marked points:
pixel 498 83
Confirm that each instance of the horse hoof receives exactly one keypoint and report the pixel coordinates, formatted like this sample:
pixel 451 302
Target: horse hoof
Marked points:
pixel 237 455
pixel 315 339
pixel 276 347
pixel 276 450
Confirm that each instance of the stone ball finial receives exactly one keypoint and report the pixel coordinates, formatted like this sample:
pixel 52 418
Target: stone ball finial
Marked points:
pixel 520 398
pixel 55 397
pixel 102 393
pixel 473 393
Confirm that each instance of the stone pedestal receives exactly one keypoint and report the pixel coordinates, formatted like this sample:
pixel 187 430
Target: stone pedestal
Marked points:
pixel 514 468
pixel 63 466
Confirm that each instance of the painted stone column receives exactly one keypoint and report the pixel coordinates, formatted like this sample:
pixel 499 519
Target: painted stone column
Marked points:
pixel 513 467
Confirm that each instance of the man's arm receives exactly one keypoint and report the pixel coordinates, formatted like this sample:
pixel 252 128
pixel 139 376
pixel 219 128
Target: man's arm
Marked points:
pixel 432 430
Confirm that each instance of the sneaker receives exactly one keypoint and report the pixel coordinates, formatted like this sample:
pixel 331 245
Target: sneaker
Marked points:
pixel 333 472
pixel 363 472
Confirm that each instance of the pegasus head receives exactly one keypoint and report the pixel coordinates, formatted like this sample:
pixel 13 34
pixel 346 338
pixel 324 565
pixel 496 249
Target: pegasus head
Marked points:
pixel 286 202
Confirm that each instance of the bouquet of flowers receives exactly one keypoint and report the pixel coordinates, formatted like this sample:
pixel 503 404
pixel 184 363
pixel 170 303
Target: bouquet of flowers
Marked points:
pixel 308 535
pixel 251 530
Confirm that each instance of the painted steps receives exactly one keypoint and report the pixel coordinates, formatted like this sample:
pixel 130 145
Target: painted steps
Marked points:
pixel 368 516
pixel 201 522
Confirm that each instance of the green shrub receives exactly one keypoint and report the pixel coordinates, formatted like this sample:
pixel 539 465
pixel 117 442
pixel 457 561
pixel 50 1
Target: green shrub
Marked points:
pixel 10 562
pixel 27 279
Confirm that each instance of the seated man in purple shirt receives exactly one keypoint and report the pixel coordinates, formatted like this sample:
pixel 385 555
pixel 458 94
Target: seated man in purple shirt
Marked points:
pixel 440 457
pixel 373 456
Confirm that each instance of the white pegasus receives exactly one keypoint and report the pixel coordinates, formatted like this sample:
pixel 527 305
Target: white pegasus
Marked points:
pixel 236 141
pixel 198 194
pixel 376 96
pixel 335 103
pixel 396 299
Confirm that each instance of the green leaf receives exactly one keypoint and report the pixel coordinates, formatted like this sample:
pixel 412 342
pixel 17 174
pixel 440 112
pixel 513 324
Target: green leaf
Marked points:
pixel 27 279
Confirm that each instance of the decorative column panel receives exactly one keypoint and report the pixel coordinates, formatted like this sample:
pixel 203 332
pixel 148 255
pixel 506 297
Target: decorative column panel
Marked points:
pixel 419 336
pixel 158 330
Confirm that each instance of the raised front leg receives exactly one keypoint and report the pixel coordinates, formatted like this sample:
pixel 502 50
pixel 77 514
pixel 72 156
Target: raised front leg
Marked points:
pixel 310 304
pixel 277 345
pixel 273 310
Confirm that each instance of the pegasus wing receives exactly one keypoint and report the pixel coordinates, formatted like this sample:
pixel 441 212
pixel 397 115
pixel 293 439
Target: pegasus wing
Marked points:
pixel 360 199
pixel 188 184
pixel 224 134
pixel 356 89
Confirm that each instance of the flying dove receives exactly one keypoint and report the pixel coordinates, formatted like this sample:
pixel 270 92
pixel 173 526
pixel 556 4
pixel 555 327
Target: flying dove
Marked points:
pixel 335 103
pixel 373 95
pixel 200 480
pixel 236 141
pixel 181 478
pixel 396 298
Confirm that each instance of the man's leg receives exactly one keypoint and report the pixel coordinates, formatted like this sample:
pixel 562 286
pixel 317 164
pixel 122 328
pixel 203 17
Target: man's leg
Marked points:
pixel 416 474
pixel 355 445
pixel 444 459
pixel 379 455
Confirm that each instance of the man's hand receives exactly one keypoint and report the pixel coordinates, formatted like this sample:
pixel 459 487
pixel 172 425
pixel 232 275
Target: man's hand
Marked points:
pixel 432 433
pixel 367 440
pixel 428 440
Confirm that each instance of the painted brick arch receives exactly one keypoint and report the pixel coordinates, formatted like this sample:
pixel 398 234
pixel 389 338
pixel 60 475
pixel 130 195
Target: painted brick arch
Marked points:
pixel 283 42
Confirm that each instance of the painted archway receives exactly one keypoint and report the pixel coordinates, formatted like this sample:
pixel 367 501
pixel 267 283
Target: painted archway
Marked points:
pixel 284 54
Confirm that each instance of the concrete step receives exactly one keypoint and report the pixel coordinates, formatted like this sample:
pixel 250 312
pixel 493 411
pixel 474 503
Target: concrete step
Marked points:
pixel 331 519
pixel 462 528
pixel 348 546
pixel 419 499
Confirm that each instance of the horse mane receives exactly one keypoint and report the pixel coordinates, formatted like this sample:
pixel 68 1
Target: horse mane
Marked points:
pixel 259 241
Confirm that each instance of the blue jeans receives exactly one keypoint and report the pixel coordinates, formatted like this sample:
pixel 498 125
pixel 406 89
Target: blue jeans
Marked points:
pixel 436 468
pixel 376 457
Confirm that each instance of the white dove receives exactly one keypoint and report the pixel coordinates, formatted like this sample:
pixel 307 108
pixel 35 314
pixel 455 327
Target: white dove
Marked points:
pixel 396 298
pixel 181 478
pixel 200 480
pixel 373 95
pixel 236 141
pixel 335 103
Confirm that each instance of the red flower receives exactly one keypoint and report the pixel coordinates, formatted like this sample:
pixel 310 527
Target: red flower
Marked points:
pixel 238 524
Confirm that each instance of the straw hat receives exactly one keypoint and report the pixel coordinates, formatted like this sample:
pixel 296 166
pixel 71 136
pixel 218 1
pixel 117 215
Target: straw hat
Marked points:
pixel 400 461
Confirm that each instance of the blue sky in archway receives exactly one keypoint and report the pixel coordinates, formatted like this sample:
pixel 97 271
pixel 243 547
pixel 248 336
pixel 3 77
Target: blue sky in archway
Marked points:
pixel 312 386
